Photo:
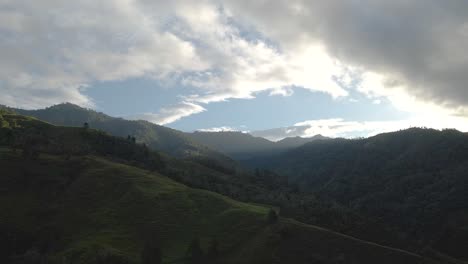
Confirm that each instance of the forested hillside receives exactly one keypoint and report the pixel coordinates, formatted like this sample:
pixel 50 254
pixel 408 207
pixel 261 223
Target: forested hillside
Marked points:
pixel 415 180
pixel 242 146
pixel 106 201
pixel 156 137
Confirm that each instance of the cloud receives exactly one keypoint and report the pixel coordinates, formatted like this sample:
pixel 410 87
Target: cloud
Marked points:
pixel 51 50
pixel 339 127
pixel 275 134
pixel 415 47
pixel 284 91
pixel 219 129
pixel 171 114
pixel 411 53
pixel 240 68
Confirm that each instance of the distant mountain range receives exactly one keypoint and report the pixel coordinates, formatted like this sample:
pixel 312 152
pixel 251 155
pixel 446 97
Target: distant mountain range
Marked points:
pixel 156 137
pixel 173 142
pixel 415 179
pixel 241 146
pixel 79 195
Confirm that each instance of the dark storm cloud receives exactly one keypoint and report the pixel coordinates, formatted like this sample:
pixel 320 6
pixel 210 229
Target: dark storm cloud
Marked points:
pixel 421 44
pixel 52 50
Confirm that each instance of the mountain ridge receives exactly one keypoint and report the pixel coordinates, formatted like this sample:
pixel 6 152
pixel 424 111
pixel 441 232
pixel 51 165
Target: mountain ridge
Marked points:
pixel 235 145
pixel 89 208
pixel 241 146
pixel 414 179
pixel 161 138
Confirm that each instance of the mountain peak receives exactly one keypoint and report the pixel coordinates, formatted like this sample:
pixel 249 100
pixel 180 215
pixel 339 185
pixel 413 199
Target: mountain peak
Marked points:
pixel 297 140
pixel 66 105
pixel 240 145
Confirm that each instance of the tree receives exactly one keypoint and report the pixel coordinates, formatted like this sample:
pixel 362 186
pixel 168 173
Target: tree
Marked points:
pixel 213 252
pixel 272 216
pixel 195 253
pixel 32 256
pixel 9 137
pixel 30 149
pixel 257 173
pixel 146 151
pixel 4 123
pixel 151 253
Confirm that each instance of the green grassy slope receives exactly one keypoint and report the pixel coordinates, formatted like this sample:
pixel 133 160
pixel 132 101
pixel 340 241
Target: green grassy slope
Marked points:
pixel 77 209
pixel 92 203
pixel 75 201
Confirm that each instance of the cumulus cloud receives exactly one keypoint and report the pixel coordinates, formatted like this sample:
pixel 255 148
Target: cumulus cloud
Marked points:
pixel 418 47
pixel 240 67
pixel 412 53
pixel 51 51
pixel 339 127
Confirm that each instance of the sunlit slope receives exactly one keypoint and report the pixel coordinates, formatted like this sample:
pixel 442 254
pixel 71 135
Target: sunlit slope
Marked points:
pixel 90 203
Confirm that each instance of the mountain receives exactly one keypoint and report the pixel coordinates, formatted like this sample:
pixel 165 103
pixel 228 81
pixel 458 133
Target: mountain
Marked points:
pixel 241 146
pixel 414 180
pixel 197 145
pixel 293 142
pixel 78 195
pixel 156 137
pixel 232 143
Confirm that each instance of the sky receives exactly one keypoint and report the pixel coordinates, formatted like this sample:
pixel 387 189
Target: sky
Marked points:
pixel 272 68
